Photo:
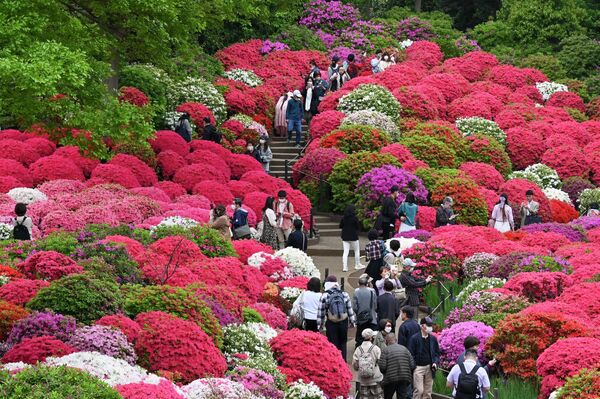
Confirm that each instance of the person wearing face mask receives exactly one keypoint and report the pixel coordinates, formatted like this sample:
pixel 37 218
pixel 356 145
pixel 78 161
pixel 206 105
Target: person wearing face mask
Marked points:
pixel 388 307
pixel 412 285
pixel 502 216
pixel 387 275
pixel 264 154
pixel 239 222
pixel 385 328
pixel 220 222
pixel 364 304
pixel 280 114
pixel 366 361
pixel 249 149
pixel 284 211
pixel 397 365
pixel 409 326
pixel 425 350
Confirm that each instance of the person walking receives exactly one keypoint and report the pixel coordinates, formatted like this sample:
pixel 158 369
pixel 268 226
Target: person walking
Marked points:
pixel 502 216
pixel 467 379
pixel 444 215
pixel 239 222
pixel 364 304
pixel 366 361
pixel 397 365
pixel 350 227
pixel 472 343
pixel 374 251
pixel 280 114
pixel 388 213
pixel 183 127
pixel 388 306
pixel 284 211
pixel 425 350
pixel 293 116
pixel 409 326
pixel 412 285
pixel 269 223
pixel 298 239
pixel 220 222
pixel 385 328
pixel 529 210
pixel 210 132
pixel 310 302
pixel 408 213
pixel 335 314
pixel 264 154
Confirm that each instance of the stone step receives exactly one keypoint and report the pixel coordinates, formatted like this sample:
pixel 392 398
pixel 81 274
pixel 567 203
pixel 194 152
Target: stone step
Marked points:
pixel 329 232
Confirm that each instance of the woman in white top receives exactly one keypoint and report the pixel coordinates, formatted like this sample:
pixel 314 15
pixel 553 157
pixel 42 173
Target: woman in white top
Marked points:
pixel 269 221
pixel 310 301
pixel 502 216
pixel 22 221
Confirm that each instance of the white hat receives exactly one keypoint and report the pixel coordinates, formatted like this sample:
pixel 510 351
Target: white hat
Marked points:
pixel 297 93
pixel 408 262
pixel 289 93
pixel 368 333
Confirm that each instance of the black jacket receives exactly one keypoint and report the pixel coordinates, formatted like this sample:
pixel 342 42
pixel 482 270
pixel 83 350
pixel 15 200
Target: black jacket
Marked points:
pixel 210 133
pixel 407 329
pixel 415 346
pixel 297 239
pixel 388 307
pixel 350 228
pixel 411 284
pixel 388 210
pixel 442 217
pixel 397 364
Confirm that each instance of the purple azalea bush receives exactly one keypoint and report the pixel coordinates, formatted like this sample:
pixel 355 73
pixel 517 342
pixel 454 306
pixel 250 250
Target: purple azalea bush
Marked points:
pixel 463 314
pixel 466 45
pixel 224 316
pixel 269 47
pixel 451 341
pixel 106 340
pixel 414 29
pixel 375 185
pixel 256 381
pixel 421 235
pixel 586 222
pixel 573 233
pixel 38 324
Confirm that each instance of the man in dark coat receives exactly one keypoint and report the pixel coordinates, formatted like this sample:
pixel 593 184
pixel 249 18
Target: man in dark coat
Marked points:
pixel 409 326
pixel 426 351
pixel 297 239
pixel 388 213
pixel 397 365
pixel 412 284
pixel 210 132
pixel 388 307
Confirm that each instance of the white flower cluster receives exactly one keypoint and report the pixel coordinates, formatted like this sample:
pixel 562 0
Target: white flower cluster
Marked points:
pixel 26 195
pixel 16 366
pixel 176 221
pixel 262 330
pixel 302 390
pixel 5 231
pixel 258 258
pixel 540 174
pixel 479 125
pixel 481 284
pixel 556 194
pixel 212 388
pixel 300 263
pixel 241 338
pixel 244 76
pixel 587 198
pixel 197 90
pixel 291 293
pixel 373 98
pixel 250 123
pixel 4 280
pixel 404 44
pixel 547 89
pixel 375 119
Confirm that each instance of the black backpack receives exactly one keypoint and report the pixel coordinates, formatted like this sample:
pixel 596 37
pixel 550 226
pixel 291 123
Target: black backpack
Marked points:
pixel 468 383
pixel 20 231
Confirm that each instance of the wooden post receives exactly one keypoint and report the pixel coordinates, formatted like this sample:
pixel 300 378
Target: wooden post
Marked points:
pixel 342 282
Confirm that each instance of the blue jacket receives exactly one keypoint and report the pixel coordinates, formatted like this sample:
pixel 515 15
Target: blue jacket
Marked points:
pixel 294 110
pixel 407 329
pixel 415 346
pixel 240 218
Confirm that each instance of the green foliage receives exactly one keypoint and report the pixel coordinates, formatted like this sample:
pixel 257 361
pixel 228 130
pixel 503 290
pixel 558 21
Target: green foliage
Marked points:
pixel 252 316
pixel 348 171
pixel 121 266
pixel 83 296
pixel 433 178
pixel 59 241
pixel 431 151
pixel 549 64
pixel 299 38
pixel 96 232
pixel 579 55
pixel 42 382
pixel 210 241
pixel 151 80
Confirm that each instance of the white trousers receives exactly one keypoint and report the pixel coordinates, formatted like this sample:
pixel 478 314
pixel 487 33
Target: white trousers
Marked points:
pixel 356 247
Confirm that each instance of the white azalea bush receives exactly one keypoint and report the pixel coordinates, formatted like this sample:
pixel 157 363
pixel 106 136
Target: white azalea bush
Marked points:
pixel 479 125
pixel 404 44
pixel 540 174
pixel 556 194
pixel 242 339
pixel 587 198
pixel 478 264
pixel 370 97
pixel 300 263
pixel 374 119
pixel 302 390
pixel 263 331
pixel 481 284
pixel 257 259
pixel 178 221
pixel 5 231
pixel 547 89
pixel 213 388
pixel 4 280
pixel 26 195
pixel 197 90
pixel 291 293
pixel 244 76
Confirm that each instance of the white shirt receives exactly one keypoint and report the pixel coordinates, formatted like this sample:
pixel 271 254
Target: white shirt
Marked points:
pixel 271 217
pixel 484 380
pixel 310 303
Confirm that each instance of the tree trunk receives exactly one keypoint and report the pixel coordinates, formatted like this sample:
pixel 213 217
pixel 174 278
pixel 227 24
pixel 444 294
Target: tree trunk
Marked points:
pixel 417 5
pixel 115 64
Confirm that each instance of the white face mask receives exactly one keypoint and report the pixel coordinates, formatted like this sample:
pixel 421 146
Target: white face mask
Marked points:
pixel 386 58
pixel 250 148
pixel 282 200
pixel 388 330
pixel 429 330
pixel 262 141
pixel 233 206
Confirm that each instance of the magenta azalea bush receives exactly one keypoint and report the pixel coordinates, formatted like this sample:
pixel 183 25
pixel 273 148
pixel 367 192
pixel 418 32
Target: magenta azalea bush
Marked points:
pixel 451 341
pixel 106 340
pixel 374 185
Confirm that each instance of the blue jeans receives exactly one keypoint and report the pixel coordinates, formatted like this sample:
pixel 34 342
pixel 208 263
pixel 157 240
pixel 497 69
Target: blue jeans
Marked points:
pixel 295 124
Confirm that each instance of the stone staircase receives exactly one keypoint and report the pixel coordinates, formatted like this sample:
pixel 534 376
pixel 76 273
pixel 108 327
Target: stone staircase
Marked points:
pixel 282 151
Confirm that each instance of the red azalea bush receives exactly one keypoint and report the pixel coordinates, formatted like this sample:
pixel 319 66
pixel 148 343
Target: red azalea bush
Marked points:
pixel 12 168
pixel 525 147
pixel 9 315
pixel 246 248
pixel 568 161
pixel 241 55
pixel 19 151
pixel 562 212
pixel 73 154
pixel 231 300
pixel 234 125
pixel 133 96
pixel 416 103
pixel 566 99
pixel 163 390
pixel 565 358
pixel 239 102
pixel 574 130
pixel 508 75
pixel 316 164
pixel 153 193
pixel 215 191
pixel 190 175
pixel 130 328
pixel 547 239
pixel 240 164
pixel 483 174
pixel 169 162
pixel 515 189
pixel 7 183
pixel 169 140
pixel 173 190
pixel 106 173
pixel 49 265
pixel 265 183
pixel 480 104
pixel 425 52
pixel 469 202
pixel 398 151
pixel 434 259
pixel 197 113
pixel 327 369
pixel 33 350
pixel 354 138
pixel 462 240
pixel 21 291
pixel 539 287
pixel 452 86
pixel 240 188
pixel 519 339
pixel 143 173
pixel 585 296
pixel 10 272
pixel 53 168
pixel 210 158
pixel 167 343
pixel 171 250
pixel 272 315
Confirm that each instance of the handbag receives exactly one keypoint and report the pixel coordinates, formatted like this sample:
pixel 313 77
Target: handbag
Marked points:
pixel 400 294
pixel 297 314
pixel 242 232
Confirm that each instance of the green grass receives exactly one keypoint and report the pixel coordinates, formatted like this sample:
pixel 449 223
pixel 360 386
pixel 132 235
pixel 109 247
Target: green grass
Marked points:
pixel 433 295
pixel 513 389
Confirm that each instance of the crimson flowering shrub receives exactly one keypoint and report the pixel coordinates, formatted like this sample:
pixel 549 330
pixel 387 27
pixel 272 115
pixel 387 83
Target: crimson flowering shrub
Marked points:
pixel 515 189
pixel 127 326
pixel 12 168
pixel 21 291
pixel 143 173
pixel 550 240
pixel 519 339
pixel 462 240
pixel 9 315
pixel 272 315
pixel 483 174
pixel 571 232
pixel 49 265
pixel 316 164
pixel 239 102
pixel 169 344
pixel 169 140
pixel 479 104
pixel 215 191
pixel 240 164
pixel 327 369
pixel 451 341
pixel 574 130
pixel 434 259
pixel 562 212
pixel 416 103
pixel 19 151
pixel 169 162
pixel 140 390
pixel 508 75
pixel 585 296
pixel 427 53
pixel 73 154
pixel 452 86
pixel 353 138
pixel 231 300
pixel 241 55
pixel 538 287
pixel 54 167
pixel 246 248
pixel 525 147
pixel 565 99
pixel 106 173
pixel 398 151
pixel 210 158
pixel 133 96
pixel 564 359
pixel 240 188
pixel 189 176
pixel 197 113
pixel 9 272
pixel 39 324
pixel 568 161
pixel 37 349
pixel 106 340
